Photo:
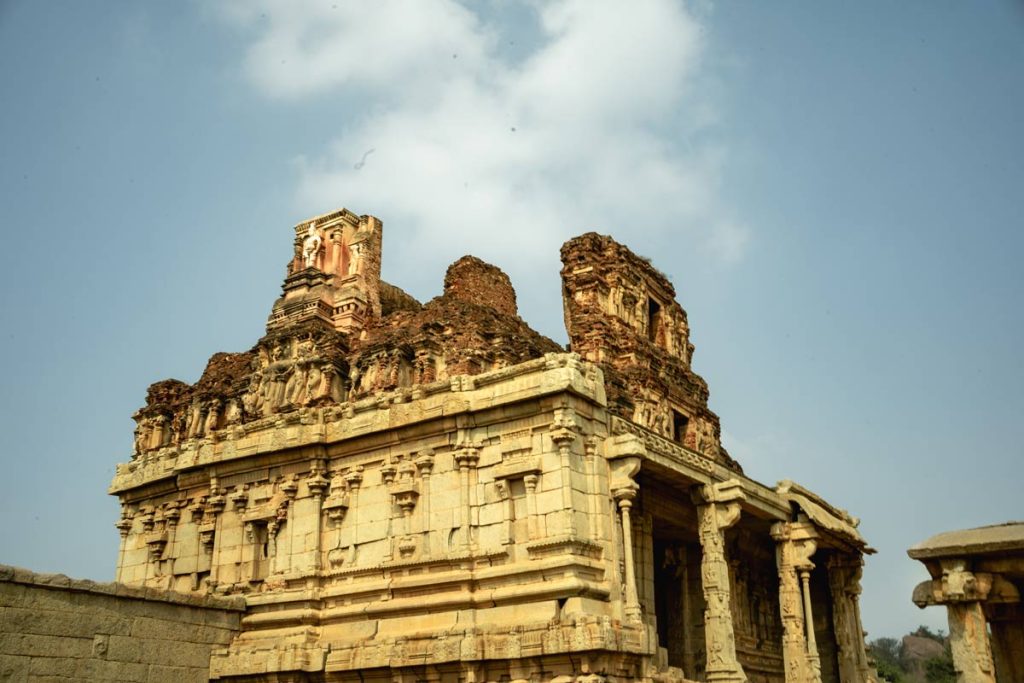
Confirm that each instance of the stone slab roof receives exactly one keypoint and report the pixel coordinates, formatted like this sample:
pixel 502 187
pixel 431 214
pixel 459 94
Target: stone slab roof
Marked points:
pixel 1008 536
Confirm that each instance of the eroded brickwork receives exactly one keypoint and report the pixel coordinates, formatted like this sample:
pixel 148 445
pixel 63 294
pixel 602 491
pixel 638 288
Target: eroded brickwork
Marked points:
pixel 621 313
pixel 471 280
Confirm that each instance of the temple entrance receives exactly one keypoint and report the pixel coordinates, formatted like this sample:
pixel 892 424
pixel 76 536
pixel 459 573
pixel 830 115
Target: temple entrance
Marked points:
pixel 673 593
pixel 824 630
pixel 679 603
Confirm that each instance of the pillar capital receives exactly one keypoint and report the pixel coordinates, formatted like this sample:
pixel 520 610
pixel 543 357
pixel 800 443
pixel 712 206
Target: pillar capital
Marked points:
pixel 799 542
pixel 718 508
pixel 957 584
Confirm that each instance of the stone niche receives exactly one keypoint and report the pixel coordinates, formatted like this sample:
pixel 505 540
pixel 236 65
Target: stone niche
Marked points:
pixel 435 491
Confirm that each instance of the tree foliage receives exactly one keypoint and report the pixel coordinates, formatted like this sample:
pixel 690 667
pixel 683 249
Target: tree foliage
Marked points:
pixel 895 664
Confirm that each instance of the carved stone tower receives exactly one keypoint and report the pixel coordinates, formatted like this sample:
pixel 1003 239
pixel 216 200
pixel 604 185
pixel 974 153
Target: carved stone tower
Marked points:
pixel 334 276
pixel 436 492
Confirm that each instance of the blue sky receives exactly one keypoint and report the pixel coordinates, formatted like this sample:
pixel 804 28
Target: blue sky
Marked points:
pixel 835 190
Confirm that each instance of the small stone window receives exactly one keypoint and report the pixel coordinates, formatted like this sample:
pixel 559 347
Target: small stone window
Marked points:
pixel 679 425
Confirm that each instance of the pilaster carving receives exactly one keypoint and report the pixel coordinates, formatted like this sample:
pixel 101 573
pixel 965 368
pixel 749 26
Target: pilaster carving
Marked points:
pixel 425 464
pixel 564 432
pixel 466 458
pixel 718 508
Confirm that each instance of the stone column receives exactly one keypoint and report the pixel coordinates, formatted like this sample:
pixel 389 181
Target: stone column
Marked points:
pixel 124 527
pixel 625 453
pixel 563 435
pixel 844 572
pixel 624 497
pixel 212 531
pixel 718 509
pixel 963 592
pixel 354 479
pixel 425 465
pixel 968 638
pixel 466 458
pixel 317 483
pixel 532 521
pixel 795 543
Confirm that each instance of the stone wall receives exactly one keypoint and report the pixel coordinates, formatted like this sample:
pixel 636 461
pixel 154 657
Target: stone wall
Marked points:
pixel 53 627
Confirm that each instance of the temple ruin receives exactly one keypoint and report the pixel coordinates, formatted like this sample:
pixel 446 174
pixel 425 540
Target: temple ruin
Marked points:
pixel 436 492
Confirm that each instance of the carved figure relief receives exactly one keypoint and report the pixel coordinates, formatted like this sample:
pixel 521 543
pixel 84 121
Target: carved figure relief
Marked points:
pixel 311 246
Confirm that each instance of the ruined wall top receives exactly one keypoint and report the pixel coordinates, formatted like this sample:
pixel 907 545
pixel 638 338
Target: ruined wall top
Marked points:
pixel 339 333
pixel 474 281
pixel 621 313
pixel 606 281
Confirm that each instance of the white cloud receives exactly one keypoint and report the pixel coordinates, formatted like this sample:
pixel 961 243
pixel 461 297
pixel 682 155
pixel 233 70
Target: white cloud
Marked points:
pixel 589 131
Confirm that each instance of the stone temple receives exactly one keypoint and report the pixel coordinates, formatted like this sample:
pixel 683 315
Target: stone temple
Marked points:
pixel 397 491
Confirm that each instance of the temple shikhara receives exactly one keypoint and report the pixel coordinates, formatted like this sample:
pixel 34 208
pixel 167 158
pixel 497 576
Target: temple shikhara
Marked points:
pixel 389 490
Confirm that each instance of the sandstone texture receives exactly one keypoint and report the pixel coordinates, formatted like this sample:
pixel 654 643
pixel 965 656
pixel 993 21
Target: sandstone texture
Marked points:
pixel 56 628
pixel 402 491
pixel 978 575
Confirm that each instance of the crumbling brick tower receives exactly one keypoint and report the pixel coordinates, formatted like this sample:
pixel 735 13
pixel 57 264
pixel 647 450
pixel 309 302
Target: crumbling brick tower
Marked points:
pixel 407 491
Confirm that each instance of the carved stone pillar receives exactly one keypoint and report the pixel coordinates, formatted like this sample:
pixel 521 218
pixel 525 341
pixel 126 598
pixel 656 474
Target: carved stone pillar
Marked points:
pixel 624 453
pixel 208 531
pixel 354 479
pixel 968 639
pixel 124 527
pixel 718 509
pixel 624 497
pixel 563 435
pixel 466 459
pixel 963 592
pixel 317 484
pixel 425 465
pixel 844 573
pixel 532 521
pixel 795 543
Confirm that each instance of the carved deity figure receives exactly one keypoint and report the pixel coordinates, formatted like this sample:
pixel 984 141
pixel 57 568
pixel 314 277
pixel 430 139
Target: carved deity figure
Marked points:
pixel 142 436
pixel 159 437
pixel 212 418
pixel 232 413
pixel 312 384
pixel 311 246
pixel 194 420
pixel 354 262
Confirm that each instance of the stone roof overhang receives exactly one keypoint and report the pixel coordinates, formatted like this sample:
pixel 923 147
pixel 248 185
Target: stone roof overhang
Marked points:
pixel 1006 538
pixel 685 468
